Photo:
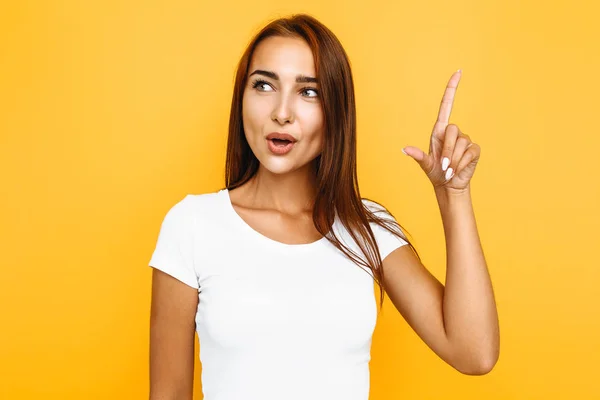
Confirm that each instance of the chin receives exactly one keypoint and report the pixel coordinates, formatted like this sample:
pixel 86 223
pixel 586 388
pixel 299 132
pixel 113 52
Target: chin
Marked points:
pixel 278 166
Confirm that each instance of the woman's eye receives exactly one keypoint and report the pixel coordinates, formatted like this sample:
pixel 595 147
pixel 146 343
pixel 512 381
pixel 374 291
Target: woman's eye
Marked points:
pixel 259 83
pixel 264 85
pixel 311 90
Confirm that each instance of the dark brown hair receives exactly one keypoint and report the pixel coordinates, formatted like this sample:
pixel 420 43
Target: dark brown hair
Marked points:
pixel 336 180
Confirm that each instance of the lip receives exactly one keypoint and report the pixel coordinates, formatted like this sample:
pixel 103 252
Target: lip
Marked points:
pixel 280 150
pixel 281 135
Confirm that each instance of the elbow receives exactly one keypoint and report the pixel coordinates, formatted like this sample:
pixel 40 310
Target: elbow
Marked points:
pixel 481 369
pixel 471 362
pixel 484 366
pixel 477 358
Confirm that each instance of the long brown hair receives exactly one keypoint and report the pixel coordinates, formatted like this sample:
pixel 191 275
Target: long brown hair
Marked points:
pixel 336 181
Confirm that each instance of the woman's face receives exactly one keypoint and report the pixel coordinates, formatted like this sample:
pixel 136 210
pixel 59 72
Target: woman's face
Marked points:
pixel 278 97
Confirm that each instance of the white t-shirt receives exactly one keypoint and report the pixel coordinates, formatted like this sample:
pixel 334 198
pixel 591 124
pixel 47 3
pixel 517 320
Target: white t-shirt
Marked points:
pixel 275 321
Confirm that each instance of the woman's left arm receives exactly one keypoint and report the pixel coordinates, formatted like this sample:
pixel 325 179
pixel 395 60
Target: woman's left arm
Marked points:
pixel 459 321
pixel 469 308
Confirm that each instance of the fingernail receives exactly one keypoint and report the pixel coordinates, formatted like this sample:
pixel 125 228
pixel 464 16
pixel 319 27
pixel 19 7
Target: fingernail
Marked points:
pixel 445 163
pixel 404 151
pixel 449 173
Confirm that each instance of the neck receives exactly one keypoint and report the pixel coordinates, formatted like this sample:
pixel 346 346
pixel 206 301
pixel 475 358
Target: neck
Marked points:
pixel 292 193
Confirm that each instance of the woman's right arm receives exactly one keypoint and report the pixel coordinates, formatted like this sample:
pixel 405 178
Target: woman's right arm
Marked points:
pixel 172 334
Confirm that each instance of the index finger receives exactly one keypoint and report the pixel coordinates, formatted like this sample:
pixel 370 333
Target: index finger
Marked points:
pixel 447 102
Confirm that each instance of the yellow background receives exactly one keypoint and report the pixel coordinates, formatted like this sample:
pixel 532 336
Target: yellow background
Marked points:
pixel 113 111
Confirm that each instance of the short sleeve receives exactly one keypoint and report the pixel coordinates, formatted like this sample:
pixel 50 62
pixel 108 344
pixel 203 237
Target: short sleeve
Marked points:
pixel 174 252
pixel 386 241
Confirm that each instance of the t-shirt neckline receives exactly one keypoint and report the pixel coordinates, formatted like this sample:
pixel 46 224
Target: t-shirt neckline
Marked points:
pixel 259 236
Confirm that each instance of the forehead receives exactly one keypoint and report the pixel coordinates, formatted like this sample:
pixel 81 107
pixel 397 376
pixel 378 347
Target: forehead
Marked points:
pixel 285 56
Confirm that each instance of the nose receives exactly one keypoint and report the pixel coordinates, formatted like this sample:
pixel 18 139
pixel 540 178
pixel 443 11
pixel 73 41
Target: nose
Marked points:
pixel 283 111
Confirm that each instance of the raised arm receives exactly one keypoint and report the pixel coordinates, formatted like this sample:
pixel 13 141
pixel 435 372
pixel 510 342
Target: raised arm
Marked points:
pixel 459 321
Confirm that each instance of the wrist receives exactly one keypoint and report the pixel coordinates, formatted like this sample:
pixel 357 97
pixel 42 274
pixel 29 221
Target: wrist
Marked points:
pixel 449 195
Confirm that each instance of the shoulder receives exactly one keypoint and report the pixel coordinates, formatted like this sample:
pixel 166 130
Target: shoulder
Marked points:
pixel 376 208
pixel 192 206
pixel 202 201
pixel 371 204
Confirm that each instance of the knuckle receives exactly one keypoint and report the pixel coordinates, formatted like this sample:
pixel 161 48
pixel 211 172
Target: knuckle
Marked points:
pixel 462 141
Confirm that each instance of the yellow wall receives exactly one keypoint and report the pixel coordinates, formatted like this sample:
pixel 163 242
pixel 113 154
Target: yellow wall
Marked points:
pixel 112 111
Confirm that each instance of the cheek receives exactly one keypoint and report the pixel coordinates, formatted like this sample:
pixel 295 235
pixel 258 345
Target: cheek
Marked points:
pixel 315 125
pixel 246 110
pixel 250 122
pixel 253 110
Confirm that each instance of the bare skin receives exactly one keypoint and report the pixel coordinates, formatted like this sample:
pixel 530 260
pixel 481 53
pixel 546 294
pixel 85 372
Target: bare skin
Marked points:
pixel 276 225
pixel 172 330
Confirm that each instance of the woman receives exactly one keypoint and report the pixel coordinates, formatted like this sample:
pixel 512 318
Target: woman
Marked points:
pixel 271 269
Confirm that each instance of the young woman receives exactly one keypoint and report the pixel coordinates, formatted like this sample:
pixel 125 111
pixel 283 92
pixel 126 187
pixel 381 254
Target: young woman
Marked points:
pixel 276 270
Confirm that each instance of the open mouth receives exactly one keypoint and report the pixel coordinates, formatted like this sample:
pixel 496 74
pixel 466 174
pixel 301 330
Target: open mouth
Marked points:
pixel 280 146
pixel 281 142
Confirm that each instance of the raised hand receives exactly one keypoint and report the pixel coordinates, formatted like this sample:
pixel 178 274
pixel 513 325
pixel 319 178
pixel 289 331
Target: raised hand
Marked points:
pixel 452 156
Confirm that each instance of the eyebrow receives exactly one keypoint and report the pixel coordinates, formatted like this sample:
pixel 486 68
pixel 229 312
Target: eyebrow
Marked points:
pixel 273 75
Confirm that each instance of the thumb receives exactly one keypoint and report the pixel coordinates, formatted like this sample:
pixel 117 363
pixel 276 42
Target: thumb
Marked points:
pixel 423 159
